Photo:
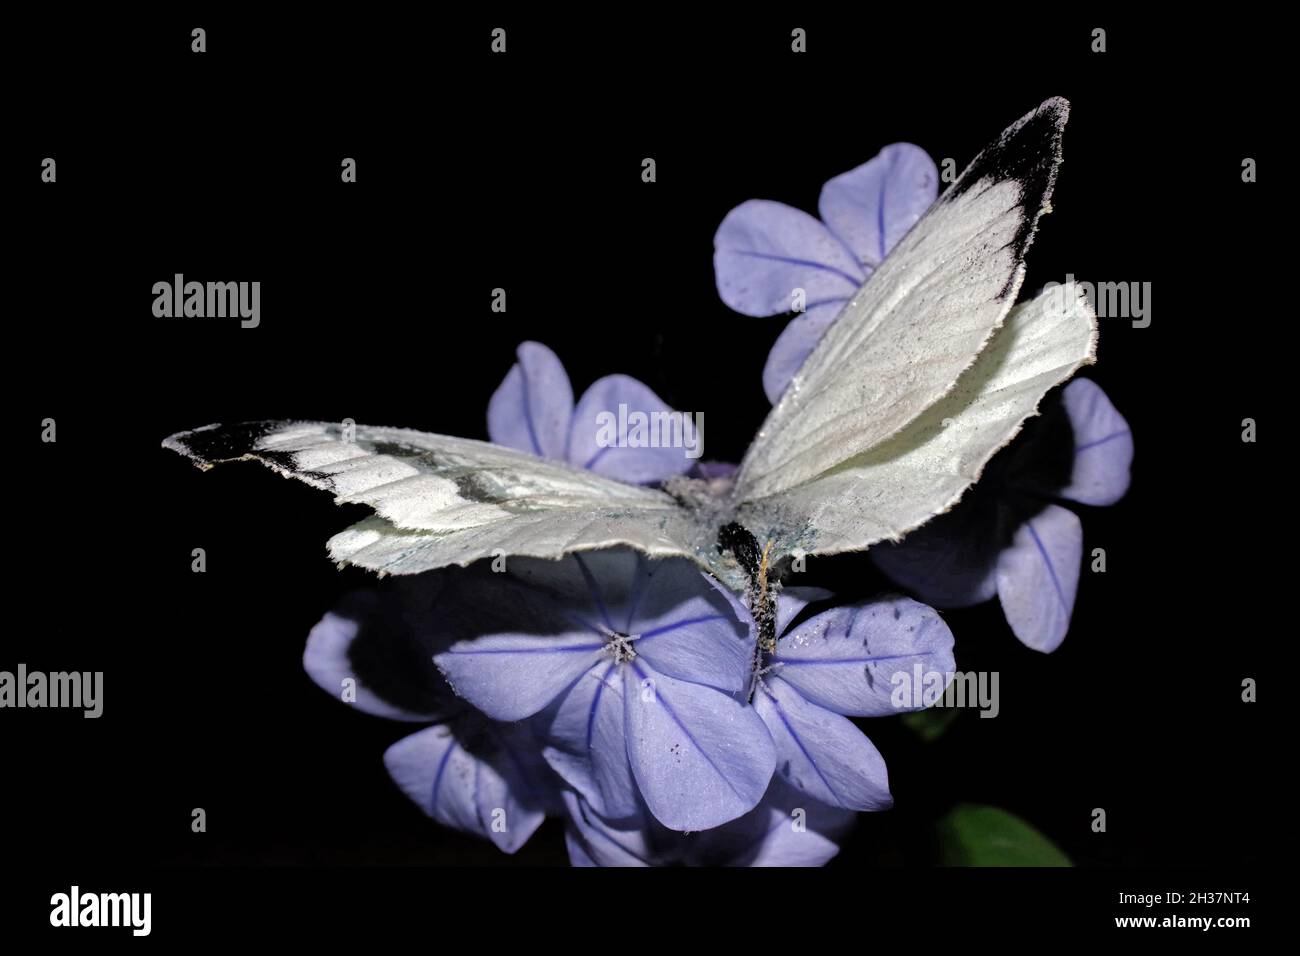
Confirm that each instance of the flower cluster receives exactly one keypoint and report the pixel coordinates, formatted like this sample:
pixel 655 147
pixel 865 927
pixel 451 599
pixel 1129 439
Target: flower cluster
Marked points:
pixel 633 698
pixel 622 692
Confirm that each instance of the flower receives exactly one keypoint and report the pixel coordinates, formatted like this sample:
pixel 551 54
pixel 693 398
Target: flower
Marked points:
pixel 533 411
pixel 765 251
pixel 1007 536
pixel 375 650
pixel 635 672
pixel 785 829
pixel 842 662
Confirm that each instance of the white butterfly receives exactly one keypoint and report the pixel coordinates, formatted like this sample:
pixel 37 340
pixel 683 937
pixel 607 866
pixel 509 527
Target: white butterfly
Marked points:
pixel 924 375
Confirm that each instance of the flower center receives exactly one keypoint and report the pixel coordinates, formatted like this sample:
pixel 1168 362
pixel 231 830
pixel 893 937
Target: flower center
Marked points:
pixel 619 646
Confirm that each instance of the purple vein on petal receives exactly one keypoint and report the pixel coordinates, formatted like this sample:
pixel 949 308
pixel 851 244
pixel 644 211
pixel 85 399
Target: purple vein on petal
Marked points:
pixel 880 218
pixel 609 839
pixel 663 702
pixel 780 712
pixel 437 777
pixel 600 452
pixel 809 306
pixel 595 591
pixel 1051 570
pixel 790 662
pixel 640 585
pixel 1101 441
pixel 529 650
pixel 595 702
pixel 528 412
pixel 803 262
pixel 655 632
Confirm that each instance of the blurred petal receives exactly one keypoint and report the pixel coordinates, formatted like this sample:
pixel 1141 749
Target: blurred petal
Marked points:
pixel 795 344
pixel 713 470
pixel 578 856
pixel 383 640
pixel 532 407
pixel 589 745
pixel 952 560
pixel 1103 446
pixel 508 790
pixel 326 661
pixel 594 587
pixel 1038 577
pixel 593 841
pixel 764 250
pixel 820 753
pixel 688 629
pixel 618 412
pixel 845 659
pixel 786 829
pixel 873 206
pixel 700 757
pixel 458 789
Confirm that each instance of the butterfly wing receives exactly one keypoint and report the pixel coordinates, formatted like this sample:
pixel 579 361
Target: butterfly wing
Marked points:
pixel 440 500
pixel 923 470
pixel 854 452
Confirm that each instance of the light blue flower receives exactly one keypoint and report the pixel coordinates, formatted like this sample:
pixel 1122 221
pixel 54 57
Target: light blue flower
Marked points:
pixel 768 254
pixel 533 411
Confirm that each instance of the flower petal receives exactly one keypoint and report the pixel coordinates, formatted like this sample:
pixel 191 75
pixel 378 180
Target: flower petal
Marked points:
pixel 821 753
pixel 531 408
pixel 688 629
pixel 764 251
pixel 593 587
pixel 521 649
pixel 786 829
pixel 791 600
pixel 594 841
pixel 588 744
pixel 616 423
pixel 510 792
pixel 1038 577
pixel 461 790
pixel 700 757
pixel 795 344
pixel 1103 446
pixel 873 206
pixel 844 659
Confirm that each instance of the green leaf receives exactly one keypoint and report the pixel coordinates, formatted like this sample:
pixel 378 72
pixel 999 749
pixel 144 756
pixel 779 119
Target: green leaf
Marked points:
pixel 931 723
pixel 973 835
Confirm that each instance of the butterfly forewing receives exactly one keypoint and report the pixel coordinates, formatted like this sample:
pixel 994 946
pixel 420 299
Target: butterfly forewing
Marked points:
pixel 922 318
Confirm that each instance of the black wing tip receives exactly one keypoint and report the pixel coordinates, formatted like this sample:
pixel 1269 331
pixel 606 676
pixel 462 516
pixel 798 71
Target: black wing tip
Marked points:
pixel 1028 151
pixel 214 443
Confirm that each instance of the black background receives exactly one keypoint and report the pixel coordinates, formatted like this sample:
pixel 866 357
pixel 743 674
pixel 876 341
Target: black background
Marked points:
pixel 522 171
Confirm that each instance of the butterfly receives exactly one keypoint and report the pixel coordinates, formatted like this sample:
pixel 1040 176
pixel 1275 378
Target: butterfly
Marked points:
pixel 924 375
